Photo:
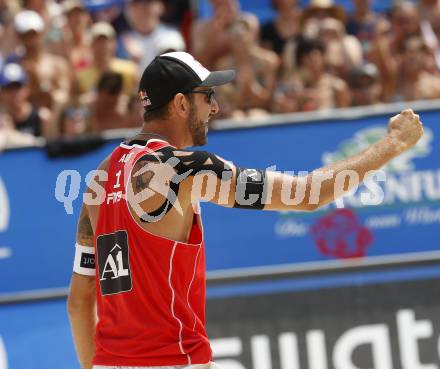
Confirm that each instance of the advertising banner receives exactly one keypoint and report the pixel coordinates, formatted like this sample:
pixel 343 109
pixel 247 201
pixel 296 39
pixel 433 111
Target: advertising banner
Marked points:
pixel 381 326
pixel 387 326
pixel 394 218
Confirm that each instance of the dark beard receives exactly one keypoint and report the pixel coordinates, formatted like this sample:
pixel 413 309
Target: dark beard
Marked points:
pixel 197 128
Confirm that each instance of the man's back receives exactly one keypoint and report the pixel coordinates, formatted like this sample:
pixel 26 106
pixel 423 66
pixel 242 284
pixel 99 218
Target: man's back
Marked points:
pixel 150 289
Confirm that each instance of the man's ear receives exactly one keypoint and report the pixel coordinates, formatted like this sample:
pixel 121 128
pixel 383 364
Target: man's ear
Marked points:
pixel 181 105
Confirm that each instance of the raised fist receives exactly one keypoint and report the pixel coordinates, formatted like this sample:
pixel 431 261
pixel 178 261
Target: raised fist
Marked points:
pixel 405 129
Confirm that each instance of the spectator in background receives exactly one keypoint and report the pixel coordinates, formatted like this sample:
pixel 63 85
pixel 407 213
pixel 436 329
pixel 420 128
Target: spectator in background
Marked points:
pixel 8 9
pixel 312 87
pixel 389 43
pixel 281 34
pixel 104 60
pixel 10 137
pixel 107 11
pixel 73 122
pixel 429 10
pixel 180 15
pixel 148 36
pixel 48 10
pixel 14 99
pixel 343 52
pixel 48 75
pixel 283 27
pixel 51 13
pixel 325 20
pixel 256 68
pixel 318 10
pixel 108 108
pixel 363 24
pixel 76 40
pixel 287 96
pixel 135 111
pixel 365 87
pixel 213 38
pixel 405 21
pixel 419 82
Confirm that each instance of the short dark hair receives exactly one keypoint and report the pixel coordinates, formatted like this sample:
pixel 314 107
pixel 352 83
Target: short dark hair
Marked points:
pixel 306 46
pixel 160 113
pixel 163 112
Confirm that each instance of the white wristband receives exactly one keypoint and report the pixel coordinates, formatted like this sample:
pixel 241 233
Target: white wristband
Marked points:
pixel 84 260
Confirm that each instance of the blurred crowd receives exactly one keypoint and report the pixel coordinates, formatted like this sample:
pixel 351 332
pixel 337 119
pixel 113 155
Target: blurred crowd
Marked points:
pixel 69 69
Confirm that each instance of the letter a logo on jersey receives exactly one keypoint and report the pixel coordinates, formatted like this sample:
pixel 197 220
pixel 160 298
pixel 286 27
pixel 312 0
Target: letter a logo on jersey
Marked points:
pixel 113 263
pixel 115 268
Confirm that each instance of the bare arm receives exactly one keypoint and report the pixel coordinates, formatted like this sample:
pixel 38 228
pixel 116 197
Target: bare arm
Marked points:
pixel 82 301
pixel 326 184
pixel 206 177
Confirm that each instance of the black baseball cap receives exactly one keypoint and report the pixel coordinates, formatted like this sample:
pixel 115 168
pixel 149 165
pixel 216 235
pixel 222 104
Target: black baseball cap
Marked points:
pixel 174 72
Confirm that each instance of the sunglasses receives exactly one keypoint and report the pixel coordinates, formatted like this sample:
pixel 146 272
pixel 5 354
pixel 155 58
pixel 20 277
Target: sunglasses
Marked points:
pixel 210 94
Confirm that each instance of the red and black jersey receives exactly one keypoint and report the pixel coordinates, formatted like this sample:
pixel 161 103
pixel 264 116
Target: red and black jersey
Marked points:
pixel 150 289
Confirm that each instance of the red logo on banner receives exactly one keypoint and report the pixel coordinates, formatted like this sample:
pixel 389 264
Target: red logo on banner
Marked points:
pixel 340 235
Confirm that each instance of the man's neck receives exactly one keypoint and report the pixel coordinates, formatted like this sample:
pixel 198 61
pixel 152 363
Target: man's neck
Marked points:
pixel 163 130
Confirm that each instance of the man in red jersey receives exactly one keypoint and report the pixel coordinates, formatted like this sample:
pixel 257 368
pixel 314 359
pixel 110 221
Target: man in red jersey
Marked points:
pixel 137 296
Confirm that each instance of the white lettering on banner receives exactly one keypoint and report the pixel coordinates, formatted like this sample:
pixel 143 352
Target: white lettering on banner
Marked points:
pixel 407 188
pixel 410 333
pixel 260 347
pixel 3 355
pixel 5 252
pixel 383 221
pixel 375 194
pixel 227 347
pixel 423 215
pixel 316 350
pixel 289 356
pixel 291 228
pixel 438 346
pixel 414 187
pixel 375 335
pixel 288 227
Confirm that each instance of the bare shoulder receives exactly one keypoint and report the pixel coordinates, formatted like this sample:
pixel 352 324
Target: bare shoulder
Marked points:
pixel 88 215
pixel 171 167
